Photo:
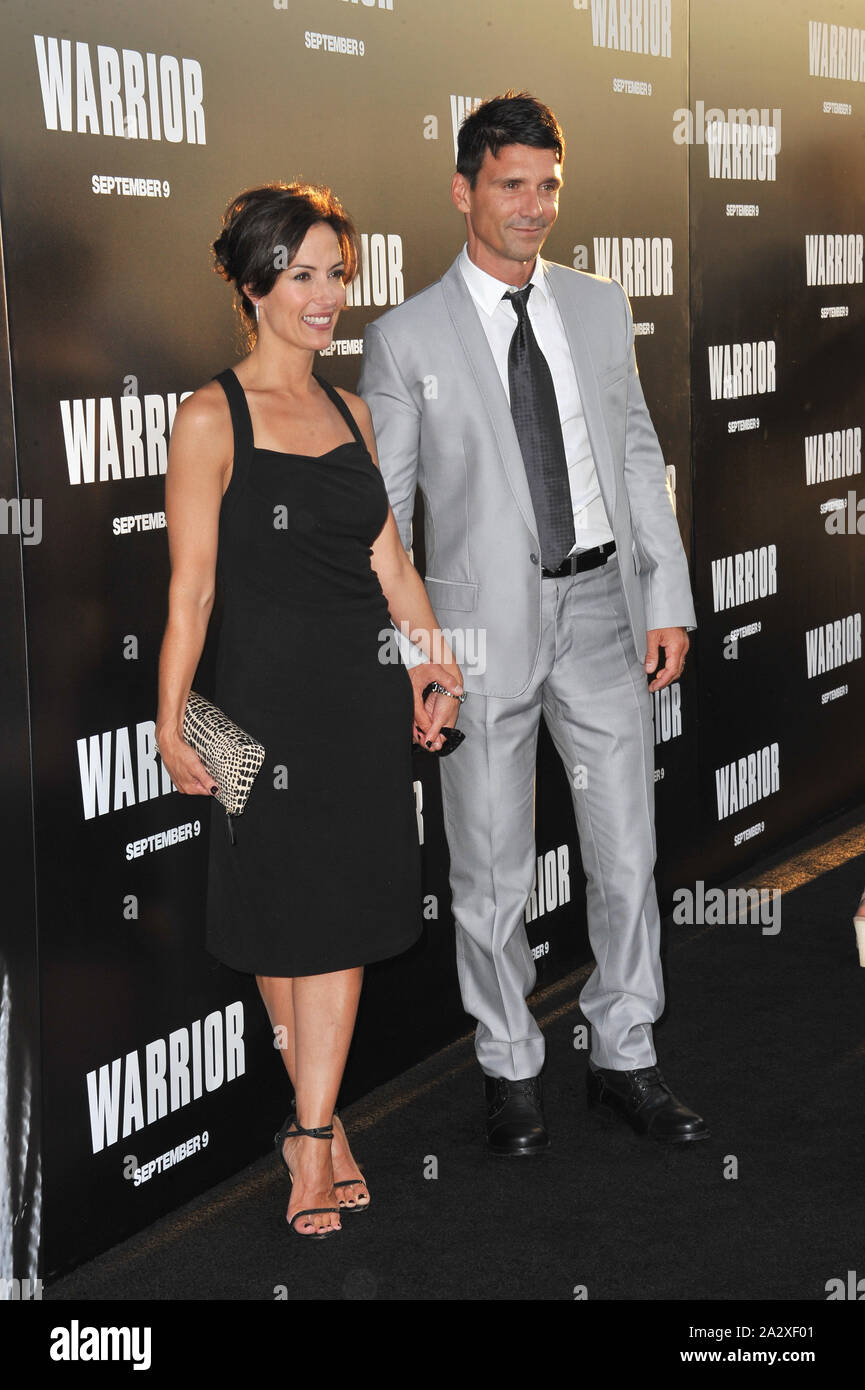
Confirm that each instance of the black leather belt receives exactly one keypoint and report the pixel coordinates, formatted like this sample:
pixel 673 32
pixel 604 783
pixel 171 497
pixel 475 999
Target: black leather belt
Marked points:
pixel 584 560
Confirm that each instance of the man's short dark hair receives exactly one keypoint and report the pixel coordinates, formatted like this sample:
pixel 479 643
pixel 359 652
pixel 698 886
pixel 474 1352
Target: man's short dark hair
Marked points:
pixel 513 119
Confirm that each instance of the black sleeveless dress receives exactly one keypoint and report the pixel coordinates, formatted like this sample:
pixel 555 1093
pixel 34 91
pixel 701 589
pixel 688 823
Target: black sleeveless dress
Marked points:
pixel 324 870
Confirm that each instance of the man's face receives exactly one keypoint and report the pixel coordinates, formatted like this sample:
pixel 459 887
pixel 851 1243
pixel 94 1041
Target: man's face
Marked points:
pixel 510 210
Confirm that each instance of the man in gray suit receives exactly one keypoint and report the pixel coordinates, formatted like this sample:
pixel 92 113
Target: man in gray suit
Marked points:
pixel 508 393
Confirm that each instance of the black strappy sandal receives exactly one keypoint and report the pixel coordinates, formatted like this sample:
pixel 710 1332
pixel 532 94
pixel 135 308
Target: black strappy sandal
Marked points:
pixel 353 1182
pixel 323 1132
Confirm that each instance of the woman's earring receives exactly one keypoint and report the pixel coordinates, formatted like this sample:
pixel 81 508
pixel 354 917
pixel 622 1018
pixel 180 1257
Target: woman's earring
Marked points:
pixel 256 313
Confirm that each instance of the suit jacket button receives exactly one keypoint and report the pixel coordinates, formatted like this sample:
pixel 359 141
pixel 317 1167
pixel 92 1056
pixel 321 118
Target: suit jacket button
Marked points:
pixel 533 558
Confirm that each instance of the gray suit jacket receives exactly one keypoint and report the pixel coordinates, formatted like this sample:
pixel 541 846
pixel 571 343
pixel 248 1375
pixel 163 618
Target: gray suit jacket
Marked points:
pixel 442 423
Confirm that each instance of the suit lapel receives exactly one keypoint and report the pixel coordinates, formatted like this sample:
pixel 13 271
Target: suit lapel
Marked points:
pixel 587 382
pixel 467 326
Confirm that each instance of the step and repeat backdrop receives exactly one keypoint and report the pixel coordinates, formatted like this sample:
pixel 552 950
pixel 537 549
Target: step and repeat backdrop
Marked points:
pixel 714 163
pixel 777 121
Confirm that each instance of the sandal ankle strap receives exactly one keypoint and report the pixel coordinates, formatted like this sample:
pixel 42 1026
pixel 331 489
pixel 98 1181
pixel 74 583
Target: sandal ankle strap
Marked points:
pixel 322 1132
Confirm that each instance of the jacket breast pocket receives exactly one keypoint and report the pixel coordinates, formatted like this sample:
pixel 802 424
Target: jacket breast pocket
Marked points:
pixel 451 593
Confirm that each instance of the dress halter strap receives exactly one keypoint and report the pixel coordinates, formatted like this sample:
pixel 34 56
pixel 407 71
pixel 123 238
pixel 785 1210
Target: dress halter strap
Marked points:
pixel 241 420
pixel 244 440
pixel 240 417
pixel 341 406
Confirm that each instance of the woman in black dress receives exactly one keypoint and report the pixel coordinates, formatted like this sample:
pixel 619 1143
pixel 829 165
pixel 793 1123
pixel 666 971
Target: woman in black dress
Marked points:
pixel 273 492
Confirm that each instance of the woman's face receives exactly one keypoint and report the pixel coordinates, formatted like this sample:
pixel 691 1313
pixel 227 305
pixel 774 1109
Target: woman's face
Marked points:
pixel 304 304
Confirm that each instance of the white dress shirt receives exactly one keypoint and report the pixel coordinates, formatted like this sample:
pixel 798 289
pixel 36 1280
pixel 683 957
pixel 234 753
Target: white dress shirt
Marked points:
pixel 499 319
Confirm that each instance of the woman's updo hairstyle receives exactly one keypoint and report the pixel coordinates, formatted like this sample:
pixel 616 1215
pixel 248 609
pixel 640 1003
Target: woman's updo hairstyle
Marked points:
pixel 262 232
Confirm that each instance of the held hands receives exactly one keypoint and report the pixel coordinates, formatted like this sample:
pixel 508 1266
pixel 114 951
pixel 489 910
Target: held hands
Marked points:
pixel 184 766
pixel 439 711
pixel 675 643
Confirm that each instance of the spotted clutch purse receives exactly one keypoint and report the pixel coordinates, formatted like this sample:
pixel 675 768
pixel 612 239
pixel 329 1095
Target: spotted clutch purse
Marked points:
pixel 231 756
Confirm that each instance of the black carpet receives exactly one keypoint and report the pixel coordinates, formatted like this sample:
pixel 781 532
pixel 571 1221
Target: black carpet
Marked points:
pixel 764 1035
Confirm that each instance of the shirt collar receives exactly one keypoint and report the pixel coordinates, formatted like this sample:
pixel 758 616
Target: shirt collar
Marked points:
pixel 487 291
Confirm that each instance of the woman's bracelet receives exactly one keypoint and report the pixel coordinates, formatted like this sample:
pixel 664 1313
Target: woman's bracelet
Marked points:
pixel 435 689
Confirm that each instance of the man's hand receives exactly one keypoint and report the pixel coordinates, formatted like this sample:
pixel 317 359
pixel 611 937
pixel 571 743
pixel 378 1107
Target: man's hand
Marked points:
pixel 674 641
pixel 440 710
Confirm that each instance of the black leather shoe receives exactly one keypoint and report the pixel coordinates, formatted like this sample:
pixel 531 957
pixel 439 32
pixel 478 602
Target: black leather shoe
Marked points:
pixel 645 1100
pixel 515 1116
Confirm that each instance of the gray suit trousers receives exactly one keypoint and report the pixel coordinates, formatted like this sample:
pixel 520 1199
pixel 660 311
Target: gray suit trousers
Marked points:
pixel 591 687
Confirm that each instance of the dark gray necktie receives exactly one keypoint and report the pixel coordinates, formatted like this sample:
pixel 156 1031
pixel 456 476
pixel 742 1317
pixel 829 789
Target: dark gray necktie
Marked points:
pixel 535 411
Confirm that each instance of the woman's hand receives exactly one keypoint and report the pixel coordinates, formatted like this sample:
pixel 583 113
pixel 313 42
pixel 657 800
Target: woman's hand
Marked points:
pixel 185 768
pixel 438 711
